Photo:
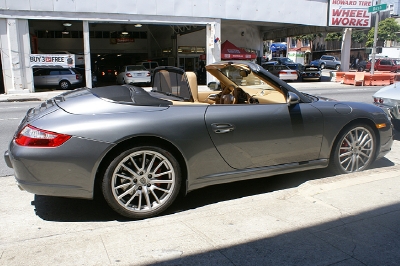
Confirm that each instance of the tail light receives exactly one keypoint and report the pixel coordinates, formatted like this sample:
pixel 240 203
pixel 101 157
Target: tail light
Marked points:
pixel 282 72
pixel 103 73
pixel 128 75
pixel 116 73
pixel 31 136
pixel 77 76
pixel 148 74
pixel 293 72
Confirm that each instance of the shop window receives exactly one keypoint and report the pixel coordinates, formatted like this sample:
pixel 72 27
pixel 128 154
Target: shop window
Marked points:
pixel 293 43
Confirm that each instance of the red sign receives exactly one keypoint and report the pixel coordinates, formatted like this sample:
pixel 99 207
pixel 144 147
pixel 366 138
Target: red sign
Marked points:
pixel 350 14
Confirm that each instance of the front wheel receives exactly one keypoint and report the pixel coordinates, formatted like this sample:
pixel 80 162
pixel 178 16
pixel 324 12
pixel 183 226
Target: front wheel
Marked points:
pixel 322 66
pixel 142 182
pixel 354 149
pixel 337 67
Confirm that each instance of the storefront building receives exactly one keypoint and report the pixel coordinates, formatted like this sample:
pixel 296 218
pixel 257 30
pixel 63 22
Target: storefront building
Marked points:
pixel 170 32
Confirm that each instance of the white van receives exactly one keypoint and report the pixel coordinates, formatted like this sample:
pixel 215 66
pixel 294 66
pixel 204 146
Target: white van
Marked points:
pixel 149 65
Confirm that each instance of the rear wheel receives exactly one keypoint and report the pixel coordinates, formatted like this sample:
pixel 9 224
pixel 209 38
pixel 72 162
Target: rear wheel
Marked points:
pixel 337 67
pixel 65 85
pixel 322 66
pixel 354 149
pixel 142 182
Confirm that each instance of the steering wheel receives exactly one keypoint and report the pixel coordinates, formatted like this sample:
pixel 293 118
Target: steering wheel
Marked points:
pixel 229 95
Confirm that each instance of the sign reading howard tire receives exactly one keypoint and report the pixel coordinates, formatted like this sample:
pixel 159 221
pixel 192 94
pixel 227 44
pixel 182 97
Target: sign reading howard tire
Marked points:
pixel 350 14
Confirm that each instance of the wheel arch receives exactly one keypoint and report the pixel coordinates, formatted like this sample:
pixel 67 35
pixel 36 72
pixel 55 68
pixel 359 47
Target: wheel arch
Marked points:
pixel 366 121
pixel 139 141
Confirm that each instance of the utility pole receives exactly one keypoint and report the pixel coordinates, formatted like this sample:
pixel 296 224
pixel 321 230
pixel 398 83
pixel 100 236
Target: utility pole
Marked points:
pixel 375 39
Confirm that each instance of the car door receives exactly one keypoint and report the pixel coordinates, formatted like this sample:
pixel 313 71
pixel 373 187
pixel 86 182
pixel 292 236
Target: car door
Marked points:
pixel 40 77
pixel 257 135
pixel 53 77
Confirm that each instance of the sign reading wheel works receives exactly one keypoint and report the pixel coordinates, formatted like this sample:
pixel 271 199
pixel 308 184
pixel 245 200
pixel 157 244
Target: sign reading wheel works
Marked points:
pixel 350 14
pixel 52 60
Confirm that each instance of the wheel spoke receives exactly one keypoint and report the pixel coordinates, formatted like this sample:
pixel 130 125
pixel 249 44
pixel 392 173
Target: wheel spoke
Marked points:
pixel 133 196
pixel 146 196
pixel 164 173
pixel 130 170
pixel 155 196
pixel 163 190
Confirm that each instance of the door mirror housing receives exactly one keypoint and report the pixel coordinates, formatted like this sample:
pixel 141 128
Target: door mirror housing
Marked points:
pixel 292 98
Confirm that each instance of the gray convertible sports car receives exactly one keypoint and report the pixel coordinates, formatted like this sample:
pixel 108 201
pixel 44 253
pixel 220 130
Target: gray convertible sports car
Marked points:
pixel 141 148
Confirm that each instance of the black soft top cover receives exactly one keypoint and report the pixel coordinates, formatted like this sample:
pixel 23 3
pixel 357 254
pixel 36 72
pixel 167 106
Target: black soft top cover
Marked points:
pixel 128 94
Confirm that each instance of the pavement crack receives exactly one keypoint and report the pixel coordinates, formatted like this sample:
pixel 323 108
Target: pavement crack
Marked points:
pixel 104 245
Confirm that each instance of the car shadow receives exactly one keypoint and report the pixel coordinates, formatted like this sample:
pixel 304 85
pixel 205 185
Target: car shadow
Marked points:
pixel 79 210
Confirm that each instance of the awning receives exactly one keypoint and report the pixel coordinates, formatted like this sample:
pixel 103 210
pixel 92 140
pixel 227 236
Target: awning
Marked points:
pixel 230 51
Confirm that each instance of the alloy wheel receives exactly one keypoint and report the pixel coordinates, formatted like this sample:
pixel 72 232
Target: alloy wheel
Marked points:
pixel 356 150
pixel 143 181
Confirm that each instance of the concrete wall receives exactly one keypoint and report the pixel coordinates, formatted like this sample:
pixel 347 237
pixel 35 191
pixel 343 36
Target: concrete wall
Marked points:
pixel 310 12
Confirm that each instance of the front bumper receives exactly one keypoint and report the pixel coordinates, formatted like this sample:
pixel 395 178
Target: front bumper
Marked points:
pixel 391 111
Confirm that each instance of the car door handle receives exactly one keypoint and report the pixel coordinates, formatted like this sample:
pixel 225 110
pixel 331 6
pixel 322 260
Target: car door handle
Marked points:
pixel 222 128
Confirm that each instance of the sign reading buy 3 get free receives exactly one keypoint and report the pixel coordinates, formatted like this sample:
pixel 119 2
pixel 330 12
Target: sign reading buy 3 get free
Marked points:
pixel 350 14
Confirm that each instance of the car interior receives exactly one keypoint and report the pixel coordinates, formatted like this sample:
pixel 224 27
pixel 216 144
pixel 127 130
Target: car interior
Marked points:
pixel 239 85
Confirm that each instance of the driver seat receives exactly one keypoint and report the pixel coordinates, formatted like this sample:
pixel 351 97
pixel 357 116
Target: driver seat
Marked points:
pixel 192 82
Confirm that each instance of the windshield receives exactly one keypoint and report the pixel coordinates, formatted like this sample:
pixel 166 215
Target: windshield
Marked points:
pixel 135 68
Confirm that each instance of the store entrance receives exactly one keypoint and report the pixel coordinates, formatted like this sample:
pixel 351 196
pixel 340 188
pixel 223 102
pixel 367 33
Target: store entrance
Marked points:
pixel 189 63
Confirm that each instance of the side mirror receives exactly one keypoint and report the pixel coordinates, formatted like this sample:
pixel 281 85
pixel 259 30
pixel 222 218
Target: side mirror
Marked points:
pixel 214 86
pixel 292 98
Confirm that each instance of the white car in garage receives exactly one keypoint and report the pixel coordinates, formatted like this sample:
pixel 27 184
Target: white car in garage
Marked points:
pixel 134 74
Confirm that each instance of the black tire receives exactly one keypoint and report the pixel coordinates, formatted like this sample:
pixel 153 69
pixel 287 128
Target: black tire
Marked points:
pixel 65 85
pixel 322 66
pixel 354 149
pixel 137 189
pixel 360 69
pixel 337 67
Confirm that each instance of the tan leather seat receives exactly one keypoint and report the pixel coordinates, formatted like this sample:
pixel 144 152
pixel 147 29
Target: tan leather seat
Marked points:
pixel 192 81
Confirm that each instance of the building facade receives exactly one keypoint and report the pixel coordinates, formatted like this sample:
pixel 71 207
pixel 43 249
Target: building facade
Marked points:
pixel 178 32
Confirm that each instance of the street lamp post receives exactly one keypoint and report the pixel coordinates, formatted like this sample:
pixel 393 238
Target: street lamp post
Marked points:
pixel 375 39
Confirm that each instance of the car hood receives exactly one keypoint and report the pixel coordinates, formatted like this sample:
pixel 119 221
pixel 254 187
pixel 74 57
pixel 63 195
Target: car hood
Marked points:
pixel 390 92
pixel 109 100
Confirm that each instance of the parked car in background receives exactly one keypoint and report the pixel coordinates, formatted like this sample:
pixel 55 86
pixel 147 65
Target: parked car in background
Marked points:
pixel 140 149
pixel 64 78
pixel 388 98
pixel 149 65
pixel 311 73
pixel 361 65
pixel 281 71
pixel 384 64
pixel 288 62
pixel 83 72
pixel 107 72
pixel 327 61
pixel 134 74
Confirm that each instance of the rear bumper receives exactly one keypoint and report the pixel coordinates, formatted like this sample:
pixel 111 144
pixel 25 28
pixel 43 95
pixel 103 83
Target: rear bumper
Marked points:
pixel 7 159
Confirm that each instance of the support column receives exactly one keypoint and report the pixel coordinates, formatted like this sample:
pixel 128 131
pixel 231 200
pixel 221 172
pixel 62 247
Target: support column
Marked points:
pixel 346 47
pixel 86 50
pixel 15 50
pixel 213 49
